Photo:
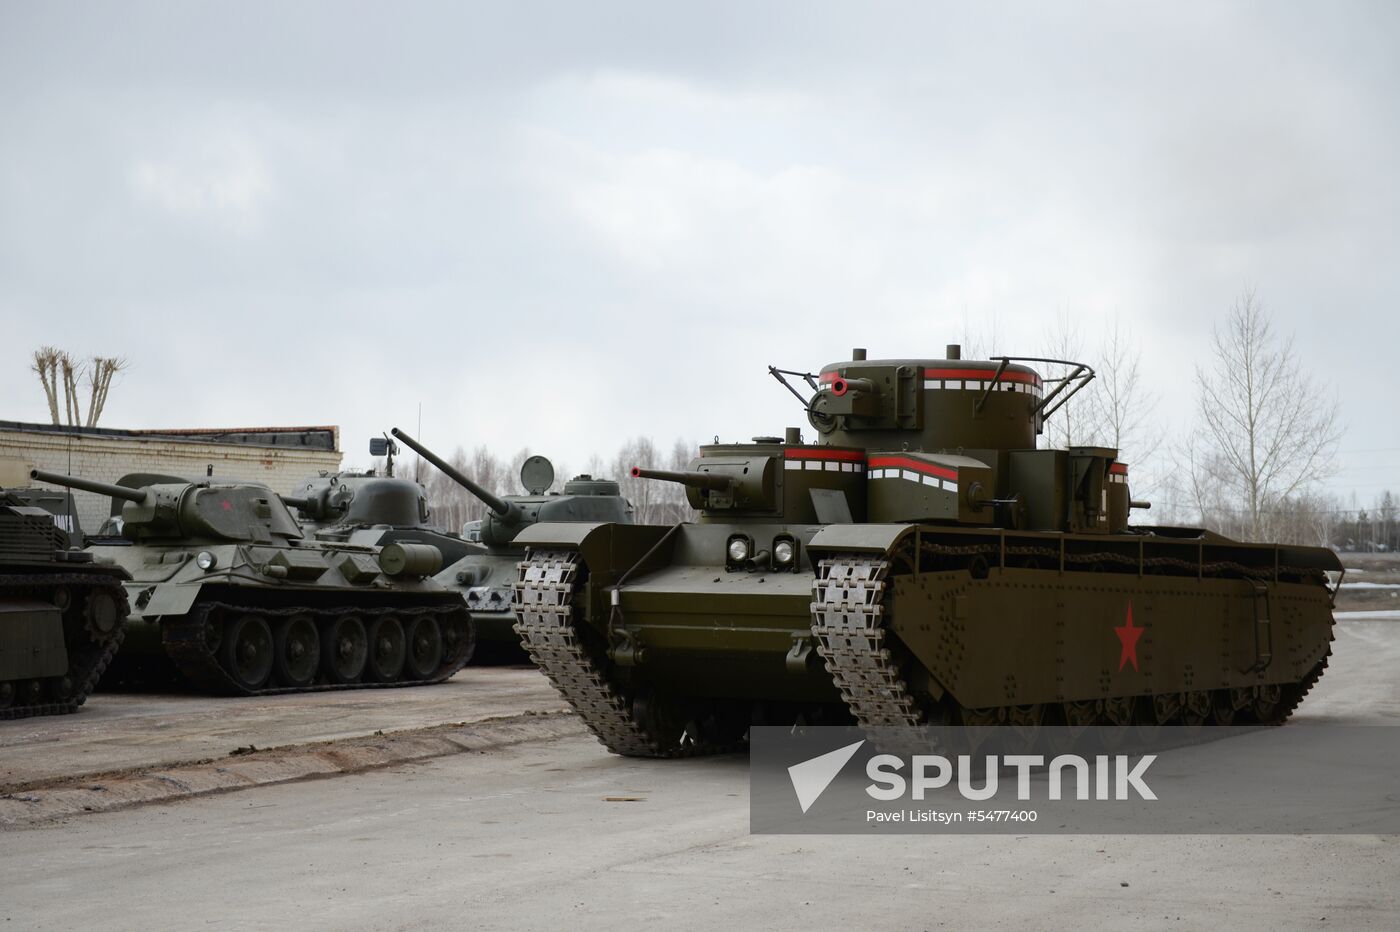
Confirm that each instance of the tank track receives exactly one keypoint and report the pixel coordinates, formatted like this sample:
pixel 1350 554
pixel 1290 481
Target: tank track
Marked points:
pixel 86 660
pixel 547 583
pixel 185 644
pixel 848 618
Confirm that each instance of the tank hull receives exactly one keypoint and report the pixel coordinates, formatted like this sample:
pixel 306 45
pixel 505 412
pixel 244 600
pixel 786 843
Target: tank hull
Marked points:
pixel 62 616
pixel 909 624
pixel 266 620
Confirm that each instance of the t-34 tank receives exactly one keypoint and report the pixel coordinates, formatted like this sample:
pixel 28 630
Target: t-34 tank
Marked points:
pixel 62 614
pixel 487 576
pixel 227 587
pixel 921 563
pixel 373 510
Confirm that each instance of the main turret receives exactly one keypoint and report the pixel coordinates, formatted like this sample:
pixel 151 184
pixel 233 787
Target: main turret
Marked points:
pixel 192 511
pixel 899 440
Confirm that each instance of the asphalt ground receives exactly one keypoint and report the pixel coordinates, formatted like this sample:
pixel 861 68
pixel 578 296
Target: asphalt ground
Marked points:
pixel 541 830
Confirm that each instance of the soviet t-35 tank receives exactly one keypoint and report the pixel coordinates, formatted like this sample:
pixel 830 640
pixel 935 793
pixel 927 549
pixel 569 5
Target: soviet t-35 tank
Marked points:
pixel 62 614
pixel 225 585
pixel 921 563
pixel 487 576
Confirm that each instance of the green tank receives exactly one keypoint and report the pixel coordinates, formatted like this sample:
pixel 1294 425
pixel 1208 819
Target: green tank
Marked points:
pixel 62 614
pixel 226 587
pixel 371 511
pixel 486 576
pixel 921 562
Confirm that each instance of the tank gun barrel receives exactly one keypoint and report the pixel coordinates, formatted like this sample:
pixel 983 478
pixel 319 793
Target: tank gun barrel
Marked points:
pixel 506 511
pixel 696 480
pixel 292 501
pixel 89 485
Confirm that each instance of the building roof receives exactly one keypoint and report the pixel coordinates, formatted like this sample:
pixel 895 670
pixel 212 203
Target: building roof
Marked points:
pixel 305 438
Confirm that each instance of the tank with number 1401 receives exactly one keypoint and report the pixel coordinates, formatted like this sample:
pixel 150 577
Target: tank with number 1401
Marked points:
pixel 921 562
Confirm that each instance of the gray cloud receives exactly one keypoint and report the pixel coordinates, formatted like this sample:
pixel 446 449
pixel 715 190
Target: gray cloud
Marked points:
pixel 560 225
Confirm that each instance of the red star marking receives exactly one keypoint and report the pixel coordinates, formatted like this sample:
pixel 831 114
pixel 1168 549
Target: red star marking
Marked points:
pixel 228 505
pixel 1128 635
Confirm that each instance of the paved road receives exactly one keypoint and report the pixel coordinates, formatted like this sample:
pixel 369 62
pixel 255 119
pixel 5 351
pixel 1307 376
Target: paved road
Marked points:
pixel 115 731
pixel 524 837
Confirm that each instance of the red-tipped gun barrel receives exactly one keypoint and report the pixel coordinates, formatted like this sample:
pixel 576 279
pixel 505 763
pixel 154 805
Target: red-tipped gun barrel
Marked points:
pixel 696 480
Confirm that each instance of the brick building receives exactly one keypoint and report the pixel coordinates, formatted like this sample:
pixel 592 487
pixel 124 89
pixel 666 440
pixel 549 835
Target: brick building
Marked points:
pixel 275 456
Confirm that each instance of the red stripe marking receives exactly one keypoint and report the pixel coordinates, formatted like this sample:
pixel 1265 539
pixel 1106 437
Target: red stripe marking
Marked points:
pixel 982 375
pixel 823 453
pixel 1119 468
pixel 904 462
pixel 827 377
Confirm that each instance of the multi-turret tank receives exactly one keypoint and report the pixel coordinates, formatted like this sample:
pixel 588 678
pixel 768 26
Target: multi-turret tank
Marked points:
pixel 921 561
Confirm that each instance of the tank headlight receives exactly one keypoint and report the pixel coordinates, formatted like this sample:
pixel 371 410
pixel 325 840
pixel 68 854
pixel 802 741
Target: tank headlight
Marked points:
pixel 206 560
pixel 782 552
pixel 738 550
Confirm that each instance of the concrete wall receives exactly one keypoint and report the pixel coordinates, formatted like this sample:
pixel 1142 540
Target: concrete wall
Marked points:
pixel 107 459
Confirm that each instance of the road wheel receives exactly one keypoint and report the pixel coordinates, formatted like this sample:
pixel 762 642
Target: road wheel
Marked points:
pixel 1195 710
pixel 1226 704
pixel 1068 724
pixel 424 641
pixel 247 652
pixel 298 651
pixel 458 639
pixel 7 694
pixel 344 650
pixel 101 615
pixel 1023 728
pixel 1266 703
pixel 1119 714
pixel 386 649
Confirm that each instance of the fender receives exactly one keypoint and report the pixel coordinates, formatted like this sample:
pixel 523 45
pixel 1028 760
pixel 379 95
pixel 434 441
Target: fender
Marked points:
pixel 869 538
pixel 607 549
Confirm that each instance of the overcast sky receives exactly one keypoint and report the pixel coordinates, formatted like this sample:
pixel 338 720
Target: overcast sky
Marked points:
pixel 561 225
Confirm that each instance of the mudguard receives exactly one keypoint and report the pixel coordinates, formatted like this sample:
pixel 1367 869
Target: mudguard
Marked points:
pixel 606 548
pixel 166 600
pixel 870 538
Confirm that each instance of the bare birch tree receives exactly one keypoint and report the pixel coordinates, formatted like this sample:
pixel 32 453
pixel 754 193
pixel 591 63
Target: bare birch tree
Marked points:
pixel 1073 424
pixel 57 369
pixel 46 367
pixel 100 374
pixel 1121 407
pixel 1272 429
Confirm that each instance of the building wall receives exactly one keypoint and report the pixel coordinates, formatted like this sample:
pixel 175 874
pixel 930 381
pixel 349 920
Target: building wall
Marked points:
pixel 107 459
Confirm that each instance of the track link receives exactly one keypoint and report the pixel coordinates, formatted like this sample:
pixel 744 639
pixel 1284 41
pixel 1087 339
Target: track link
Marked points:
pixel 547 584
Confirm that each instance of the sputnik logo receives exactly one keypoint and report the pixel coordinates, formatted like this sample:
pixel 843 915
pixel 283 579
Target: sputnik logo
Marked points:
pixel 1128 636
pixel 811 777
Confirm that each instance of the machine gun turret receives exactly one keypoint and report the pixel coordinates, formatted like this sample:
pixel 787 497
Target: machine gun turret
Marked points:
pixel 709 482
